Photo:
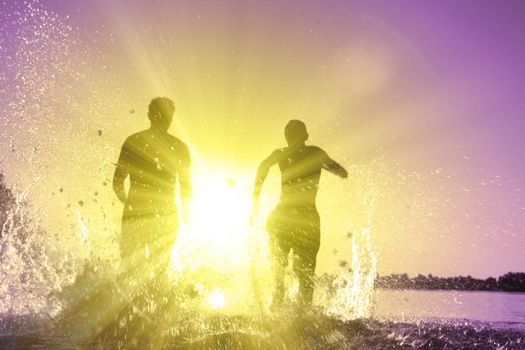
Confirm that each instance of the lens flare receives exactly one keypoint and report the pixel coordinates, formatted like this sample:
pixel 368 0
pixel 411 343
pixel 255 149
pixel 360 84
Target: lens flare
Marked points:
pixel 216 299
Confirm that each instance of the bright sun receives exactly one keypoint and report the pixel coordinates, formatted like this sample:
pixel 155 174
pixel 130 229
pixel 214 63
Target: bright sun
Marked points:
pixel 219 205
pixel 217 250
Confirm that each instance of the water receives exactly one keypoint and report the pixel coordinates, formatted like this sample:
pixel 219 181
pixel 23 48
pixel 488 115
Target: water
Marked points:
pixel 495 308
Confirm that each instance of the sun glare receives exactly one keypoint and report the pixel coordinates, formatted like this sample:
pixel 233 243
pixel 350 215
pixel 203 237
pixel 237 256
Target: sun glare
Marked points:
pixel 219 250
pixel 219 205
pixel 216 299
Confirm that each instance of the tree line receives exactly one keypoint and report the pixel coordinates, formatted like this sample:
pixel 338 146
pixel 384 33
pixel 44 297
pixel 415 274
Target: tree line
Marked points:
pixel 508 282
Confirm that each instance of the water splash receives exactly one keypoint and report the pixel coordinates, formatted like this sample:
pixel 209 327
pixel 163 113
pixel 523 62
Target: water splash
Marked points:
pixel 83 228
pixel 30 273
pixel 207 278
pixel 354 288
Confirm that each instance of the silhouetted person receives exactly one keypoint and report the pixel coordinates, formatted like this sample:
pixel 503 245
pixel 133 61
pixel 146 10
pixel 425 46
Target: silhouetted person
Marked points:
pixel 154 160
pixel 294 224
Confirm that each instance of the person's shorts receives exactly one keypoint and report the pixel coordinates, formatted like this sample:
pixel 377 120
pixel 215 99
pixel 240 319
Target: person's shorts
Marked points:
pixel 155 230
pixel 297 229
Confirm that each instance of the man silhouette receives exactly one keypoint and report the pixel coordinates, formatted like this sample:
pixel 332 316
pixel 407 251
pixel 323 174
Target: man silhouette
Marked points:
pixel 154 160
pixel 294 224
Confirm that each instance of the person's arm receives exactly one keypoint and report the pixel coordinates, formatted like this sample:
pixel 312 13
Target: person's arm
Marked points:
pixel 262 173
pixel 185 184
pixel 334 167
pixel 121 172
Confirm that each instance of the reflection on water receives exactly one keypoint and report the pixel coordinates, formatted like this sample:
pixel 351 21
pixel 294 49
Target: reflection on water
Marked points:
pixel 409 305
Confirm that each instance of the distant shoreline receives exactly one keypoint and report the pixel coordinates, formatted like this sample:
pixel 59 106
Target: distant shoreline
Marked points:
pixel 445 290
pixel 513 282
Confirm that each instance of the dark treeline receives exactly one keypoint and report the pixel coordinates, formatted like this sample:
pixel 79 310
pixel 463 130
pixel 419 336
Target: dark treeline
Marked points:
pixel 509 282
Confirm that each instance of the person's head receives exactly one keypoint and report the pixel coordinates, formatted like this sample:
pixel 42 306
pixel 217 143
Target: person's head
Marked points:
pixel 160 112
pixel 295 132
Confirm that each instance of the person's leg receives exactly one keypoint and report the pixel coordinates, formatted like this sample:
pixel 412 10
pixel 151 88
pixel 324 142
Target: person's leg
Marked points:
pixel 132 246
pixel 304 267
pixel 160 243
pixel 305 249
pixel 279 250
pixel 160 252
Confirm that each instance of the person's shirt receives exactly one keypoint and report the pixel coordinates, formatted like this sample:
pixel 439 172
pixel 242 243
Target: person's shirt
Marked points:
pixel 153 161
